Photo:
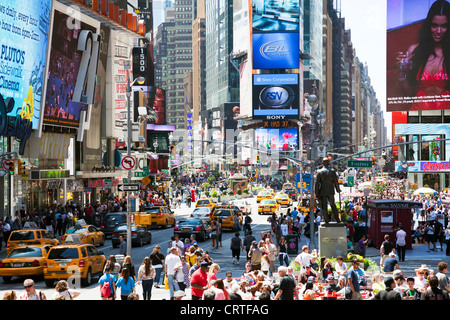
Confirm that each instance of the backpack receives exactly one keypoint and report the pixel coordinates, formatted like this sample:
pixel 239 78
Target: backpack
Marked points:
pixel 106 289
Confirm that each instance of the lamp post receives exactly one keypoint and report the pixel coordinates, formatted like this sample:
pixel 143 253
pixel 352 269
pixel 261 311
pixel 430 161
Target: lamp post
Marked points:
pixel 139 80
pixel 170 167
pixel 312 100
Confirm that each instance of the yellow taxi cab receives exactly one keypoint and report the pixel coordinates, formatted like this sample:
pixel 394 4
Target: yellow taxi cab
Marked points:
pixel 287 185
pixel 263 194
pixel 88 233
pixel 27 261
pixel 204 202
pixel 226 214
pixel 30 235
pixel 283 199
pixel 268 205
pixel 160 216
pixel 73 259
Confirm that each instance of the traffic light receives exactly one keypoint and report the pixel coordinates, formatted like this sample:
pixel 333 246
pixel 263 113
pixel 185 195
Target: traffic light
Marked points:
pixel 257 157
pixel 20 167
pixel 10 166
pixel 373 161
pixel 172 152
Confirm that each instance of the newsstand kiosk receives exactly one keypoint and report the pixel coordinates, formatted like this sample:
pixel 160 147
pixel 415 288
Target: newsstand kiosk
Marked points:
pixel 385 215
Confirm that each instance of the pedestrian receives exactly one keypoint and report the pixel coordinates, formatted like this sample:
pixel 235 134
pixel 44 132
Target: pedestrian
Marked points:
pixel 62 290
pixel 116 267
pixel 340 267
pixel 214 228
pixel 304 258
pixel 411 293
pixel 386 247
pixel 286 288
pixel 219 234
pixel 10 295
pixel 108 282
pixel 283 256
pixel 429 235
pixel 255 255
pixel 146 277
pixel 199 281
pixel 236 246
pixel 401 243
pixel 170 262
pixel 212 272
pixel 270 250
pixel 438 233
pixel 248 240
pixel 127 263
pixel 182 274
pixel 247 223
pixel 447 241
pixel 30 291
pixel 176 242
pixel 390 264
pixel 157 260
pixel 353 280
pixel 442 277
pixel 126 284
pixel 122 246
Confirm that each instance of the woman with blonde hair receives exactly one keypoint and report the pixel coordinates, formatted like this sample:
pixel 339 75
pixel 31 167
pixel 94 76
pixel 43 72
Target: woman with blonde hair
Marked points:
pixel 127 263
pixel 213 270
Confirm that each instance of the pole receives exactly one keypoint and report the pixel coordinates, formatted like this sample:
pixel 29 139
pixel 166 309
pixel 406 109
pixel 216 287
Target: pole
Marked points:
pixel 314 113
pixel 129 171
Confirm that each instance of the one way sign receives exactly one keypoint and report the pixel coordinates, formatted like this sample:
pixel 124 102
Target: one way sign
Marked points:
pixel 128 187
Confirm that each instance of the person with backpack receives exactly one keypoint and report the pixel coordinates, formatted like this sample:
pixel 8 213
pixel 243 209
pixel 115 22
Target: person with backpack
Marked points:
pixel 108 283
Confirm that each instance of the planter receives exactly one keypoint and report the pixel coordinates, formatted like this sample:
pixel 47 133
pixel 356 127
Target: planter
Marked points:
pixel 215 200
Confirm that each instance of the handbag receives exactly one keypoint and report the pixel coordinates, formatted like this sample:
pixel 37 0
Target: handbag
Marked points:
pixel 166 283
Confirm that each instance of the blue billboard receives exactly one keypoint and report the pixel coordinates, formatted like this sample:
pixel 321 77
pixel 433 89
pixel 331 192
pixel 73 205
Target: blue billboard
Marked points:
pixel 276 51
pixel 306 181
pixel 276 96
pixel 23 55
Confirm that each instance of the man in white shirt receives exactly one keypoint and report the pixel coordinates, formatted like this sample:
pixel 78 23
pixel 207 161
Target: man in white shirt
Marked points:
pixel 178 244
pixel 401 243
pixel 172 259
pixel 304 258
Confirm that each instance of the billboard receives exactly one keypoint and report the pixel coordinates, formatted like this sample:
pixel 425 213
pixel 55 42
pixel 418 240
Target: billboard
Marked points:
pixel 285 139
pixel 275 15
pixel 417 78
pixel 24 38
pixel 65 61
pixel 276 96
pixel 276 50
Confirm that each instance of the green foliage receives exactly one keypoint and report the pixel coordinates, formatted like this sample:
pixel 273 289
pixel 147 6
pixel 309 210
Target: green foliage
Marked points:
pixel 214 194
pixel 205 186
pixel 207 193
pixel 239 191
pixel 369 264
pixel 211 179
pixel 246 191
pixel 379 189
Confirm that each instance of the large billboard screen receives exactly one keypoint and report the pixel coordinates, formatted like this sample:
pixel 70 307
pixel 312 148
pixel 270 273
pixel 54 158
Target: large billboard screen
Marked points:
pixel 276 96
pixel 285 139
pixel 23 55
pixel 417 76
pixel 275 15
pixel 64 65
pixel 276 51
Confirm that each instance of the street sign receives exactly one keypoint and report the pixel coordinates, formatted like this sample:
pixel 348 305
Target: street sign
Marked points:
pixel 146 180
pixel 350 181
pixel 359 163
pixel 128 187
pixel 128 162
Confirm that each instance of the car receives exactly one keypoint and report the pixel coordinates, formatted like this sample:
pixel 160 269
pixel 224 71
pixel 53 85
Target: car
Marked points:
pixel 111 221
pixel 204 202
pixel 268 205
pixel 263 194
pixel 88 233
pixel 73 259
pixel 27 261
pixel 201 212
pixel 243 205
pixel 292 193
pixel 161 216
pixel 186 227
pixel 139 235
pixel 283 199
pixel 30 235
pixel 226 214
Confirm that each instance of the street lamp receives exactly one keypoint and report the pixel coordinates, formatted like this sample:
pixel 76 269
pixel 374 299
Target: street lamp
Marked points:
pixel 312 100
pixel 139 80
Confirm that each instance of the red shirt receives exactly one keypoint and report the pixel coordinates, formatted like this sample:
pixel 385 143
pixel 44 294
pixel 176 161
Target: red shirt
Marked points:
pixel 200 278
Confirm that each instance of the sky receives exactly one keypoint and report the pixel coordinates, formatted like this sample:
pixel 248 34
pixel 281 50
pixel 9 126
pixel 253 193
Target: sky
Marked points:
pixel 367 21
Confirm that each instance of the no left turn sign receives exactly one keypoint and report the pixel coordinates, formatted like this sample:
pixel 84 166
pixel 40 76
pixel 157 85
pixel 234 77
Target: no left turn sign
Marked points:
pixel 128 162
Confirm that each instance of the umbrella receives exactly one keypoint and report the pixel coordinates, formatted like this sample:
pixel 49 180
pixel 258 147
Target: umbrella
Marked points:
pixel 425 191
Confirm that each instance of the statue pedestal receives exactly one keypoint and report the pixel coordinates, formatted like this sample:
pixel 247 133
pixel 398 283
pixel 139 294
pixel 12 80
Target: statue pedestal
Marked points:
pixel 332 239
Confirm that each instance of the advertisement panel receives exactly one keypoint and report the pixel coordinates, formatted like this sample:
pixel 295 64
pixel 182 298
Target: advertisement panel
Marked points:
pixel 422 166
pixel 416 64
pixel 24 38
pixel 276 96
pixel 275 15
pixel 64 66
pixel 285 139
pixel 276 51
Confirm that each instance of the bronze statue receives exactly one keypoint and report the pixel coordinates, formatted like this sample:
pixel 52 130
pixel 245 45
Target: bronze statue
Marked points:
pixel 326 183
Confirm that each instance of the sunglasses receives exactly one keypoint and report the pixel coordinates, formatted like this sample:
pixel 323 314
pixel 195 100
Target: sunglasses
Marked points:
pixel 27 287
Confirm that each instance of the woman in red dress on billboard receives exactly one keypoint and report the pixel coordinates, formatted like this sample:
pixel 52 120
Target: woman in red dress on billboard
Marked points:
pixel 425 67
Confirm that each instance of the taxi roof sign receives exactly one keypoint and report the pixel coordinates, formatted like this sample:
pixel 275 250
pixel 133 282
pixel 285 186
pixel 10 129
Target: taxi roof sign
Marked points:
pixel 80 223
pixel 30 225
pixel 73 239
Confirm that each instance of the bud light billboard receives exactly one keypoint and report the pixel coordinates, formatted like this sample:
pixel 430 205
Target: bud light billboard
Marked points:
pixel 276 96
pixel 276 51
